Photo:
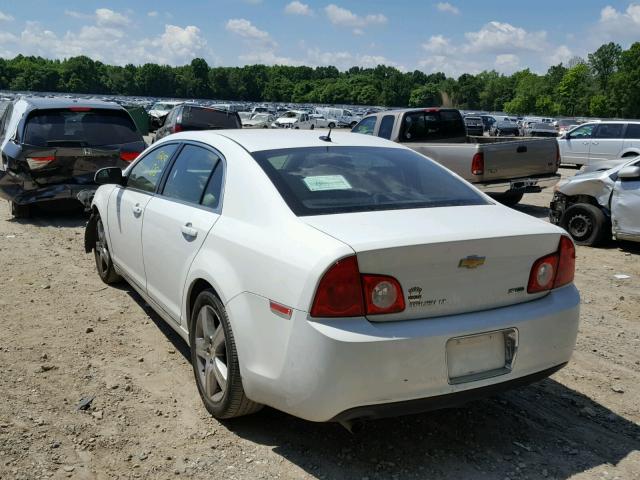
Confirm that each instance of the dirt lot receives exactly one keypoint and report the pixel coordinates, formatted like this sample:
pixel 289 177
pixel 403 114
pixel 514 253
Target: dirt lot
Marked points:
pixel 65 336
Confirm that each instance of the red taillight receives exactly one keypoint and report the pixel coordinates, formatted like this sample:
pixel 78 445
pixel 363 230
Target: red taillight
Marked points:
pixel 344 292
pixel 553 270
pixel 39 162
pixel 382 294
pixel 566 262
pixel 477 164
pixel 80 109
pixel 432 109
pixel 129 156
pixel 177 128
pixel 339 293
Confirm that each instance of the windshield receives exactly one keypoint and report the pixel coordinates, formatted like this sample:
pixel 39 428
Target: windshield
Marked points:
pixel 290 115
pixel 90 128
pixel 261 117
pixel 200 117
pixel 329 180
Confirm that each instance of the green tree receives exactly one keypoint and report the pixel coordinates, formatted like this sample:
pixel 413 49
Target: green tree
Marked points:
pixel 604 62
pixel 574 90
pixel 425 96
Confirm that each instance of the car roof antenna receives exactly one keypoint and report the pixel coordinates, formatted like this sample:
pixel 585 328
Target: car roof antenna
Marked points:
pixel 327 137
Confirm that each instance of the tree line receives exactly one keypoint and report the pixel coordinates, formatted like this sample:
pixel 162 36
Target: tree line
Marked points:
pixel 606 84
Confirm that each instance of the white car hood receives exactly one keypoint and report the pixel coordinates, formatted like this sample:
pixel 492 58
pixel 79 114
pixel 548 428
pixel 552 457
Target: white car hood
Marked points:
pixel 286 120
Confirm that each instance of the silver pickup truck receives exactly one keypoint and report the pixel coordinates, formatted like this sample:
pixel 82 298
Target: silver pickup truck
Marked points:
pixel 505 168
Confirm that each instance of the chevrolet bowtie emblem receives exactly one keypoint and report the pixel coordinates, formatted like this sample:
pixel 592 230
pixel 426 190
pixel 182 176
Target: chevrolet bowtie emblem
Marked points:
pixel 472 261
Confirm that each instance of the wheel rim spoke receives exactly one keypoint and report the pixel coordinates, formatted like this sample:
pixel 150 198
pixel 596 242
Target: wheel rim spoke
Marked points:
pixel 201 348
pixel 210 383
pixel 211 353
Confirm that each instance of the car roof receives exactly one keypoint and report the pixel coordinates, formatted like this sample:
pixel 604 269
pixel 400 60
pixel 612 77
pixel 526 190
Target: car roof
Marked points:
pixel 274 139
pixel 43 102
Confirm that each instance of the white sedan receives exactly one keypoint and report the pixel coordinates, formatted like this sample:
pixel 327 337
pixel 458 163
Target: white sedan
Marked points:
pixel 334 278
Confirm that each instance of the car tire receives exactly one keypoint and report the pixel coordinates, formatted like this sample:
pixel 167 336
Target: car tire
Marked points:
pixel 20 211
pixel 312 127
pixel 104 263
pixel 509 199
pixel 331 125
pixel 214 355
pixel 587 224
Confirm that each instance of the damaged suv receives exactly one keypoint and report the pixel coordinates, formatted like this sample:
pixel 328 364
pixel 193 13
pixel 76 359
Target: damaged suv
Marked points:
pixel 52 147
pixel 598 205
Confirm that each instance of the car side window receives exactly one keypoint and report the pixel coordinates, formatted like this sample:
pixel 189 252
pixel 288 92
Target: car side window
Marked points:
pixel 583 132
pixel 146 173
pixel 366 126
pixel 633 131
pixel 386 126
pixel 609 130
pixel 190 174
pixel 213 192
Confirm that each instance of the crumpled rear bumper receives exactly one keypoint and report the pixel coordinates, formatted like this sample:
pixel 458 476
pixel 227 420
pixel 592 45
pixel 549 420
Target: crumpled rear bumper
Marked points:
pixel 21 192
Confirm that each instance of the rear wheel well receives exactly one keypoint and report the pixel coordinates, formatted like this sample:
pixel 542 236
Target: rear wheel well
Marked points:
pixel 199 286
pixel 630 154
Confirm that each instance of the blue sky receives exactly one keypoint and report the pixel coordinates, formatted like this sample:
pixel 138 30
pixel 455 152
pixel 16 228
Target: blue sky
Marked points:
pixel 455 37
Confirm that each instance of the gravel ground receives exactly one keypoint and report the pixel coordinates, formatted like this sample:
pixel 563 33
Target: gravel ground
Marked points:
pixel 66 336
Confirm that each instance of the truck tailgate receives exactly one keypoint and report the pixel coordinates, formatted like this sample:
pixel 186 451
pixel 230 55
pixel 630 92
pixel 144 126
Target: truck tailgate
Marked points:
pixel 519 158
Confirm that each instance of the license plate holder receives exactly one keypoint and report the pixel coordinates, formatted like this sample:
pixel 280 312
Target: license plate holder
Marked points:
pixel 479 356
pixel 524 183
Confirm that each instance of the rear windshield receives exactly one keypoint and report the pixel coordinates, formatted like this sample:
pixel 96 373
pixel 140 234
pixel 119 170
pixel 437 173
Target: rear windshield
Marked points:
pixel 91 128
pixel 426 126
pixel 209 118
pixel 327 180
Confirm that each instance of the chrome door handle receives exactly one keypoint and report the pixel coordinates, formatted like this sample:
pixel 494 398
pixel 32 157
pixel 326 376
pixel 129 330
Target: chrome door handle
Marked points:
pixel 137 210
pixel 595 143
pixel 189 231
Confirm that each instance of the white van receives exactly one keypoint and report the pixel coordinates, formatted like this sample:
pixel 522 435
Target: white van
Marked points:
pixel 340 117
pixel 597 141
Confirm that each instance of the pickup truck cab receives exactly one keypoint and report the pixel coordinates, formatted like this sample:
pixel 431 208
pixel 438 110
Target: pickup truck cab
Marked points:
pixel 504 168
pixel 599 141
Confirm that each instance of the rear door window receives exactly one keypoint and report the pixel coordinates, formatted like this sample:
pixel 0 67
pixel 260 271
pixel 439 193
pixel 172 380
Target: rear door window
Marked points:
pixel 609 130
pixel 80 127
pixel 633 131
pixel 329 180
pixel 366 126
pixel 190 174
pixel 427 126
pixel 209 118
pixel 386 126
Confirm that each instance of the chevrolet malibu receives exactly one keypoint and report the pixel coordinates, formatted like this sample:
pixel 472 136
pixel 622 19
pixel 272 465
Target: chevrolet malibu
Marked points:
pixel 334 277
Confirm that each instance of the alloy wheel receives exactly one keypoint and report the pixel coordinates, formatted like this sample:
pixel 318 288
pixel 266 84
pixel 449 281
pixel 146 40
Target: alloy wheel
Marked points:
pixel 211 353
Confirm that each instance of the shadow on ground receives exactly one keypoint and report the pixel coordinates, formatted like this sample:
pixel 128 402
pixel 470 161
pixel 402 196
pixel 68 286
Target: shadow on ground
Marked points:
pixel 61 214
pixel 545 430
pixel 533 210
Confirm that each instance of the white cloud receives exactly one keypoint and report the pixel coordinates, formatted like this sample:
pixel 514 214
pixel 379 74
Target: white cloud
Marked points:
pixel 620 26
pixel 497 37
pixel 245 29
pixel 298 8
pixel 507 62
pixel 447 8
pixel 561 54
pixel 342 17
pixel 5 17
pixel 438 44
pixel 451 65
pixel 104 16
pixel 344 60
pixel 152 13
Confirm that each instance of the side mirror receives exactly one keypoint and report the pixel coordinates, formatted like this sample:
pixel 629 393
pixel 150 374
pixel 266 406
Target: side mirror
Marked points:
pixel 629 173
pixel 109 176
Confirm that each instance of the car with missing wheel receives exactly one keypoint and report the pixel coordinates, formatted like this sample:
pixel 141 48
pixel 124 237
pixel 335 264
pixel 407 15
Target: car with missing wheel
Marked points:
pixel 335 277
pixel 601 204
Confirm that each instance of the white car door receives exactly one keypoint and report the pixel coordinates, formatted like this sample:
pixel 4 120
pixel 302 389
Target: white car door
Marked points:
pixel 625 207
pixel 127 208
pixel 606 142
pixel 177 220
pixel 574 148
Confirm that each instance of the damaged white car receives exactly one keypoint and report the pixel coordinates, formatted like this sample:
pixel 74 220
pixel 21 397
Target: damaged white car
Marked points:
pixel 598 205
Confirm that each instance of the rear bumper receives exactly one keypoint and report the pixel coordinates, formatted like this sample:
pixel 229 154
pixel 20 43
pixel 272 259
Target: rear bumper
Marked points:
pixel 12 188
pixel 346 368
pixel 533 184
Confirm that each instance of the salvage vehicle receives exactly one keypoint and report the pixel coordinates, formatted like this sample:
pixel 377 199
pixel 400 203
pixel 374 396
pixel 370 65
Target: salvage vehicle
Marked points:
pixel 52 148
pixel 195 117
pixel 294 119
pixel 341 116
pixel 563 125
pixel 505 168
pixel 474 125
pixel 597 141
pixel 506 127
pixel 294 263
pixel 259 120
pixel 539 129
pixel 159 112
pixel 594 207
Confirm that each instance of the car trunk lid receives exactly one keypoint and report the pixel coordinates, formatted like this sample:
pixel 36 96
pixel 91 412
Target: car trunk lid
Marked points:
pixel 448 260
